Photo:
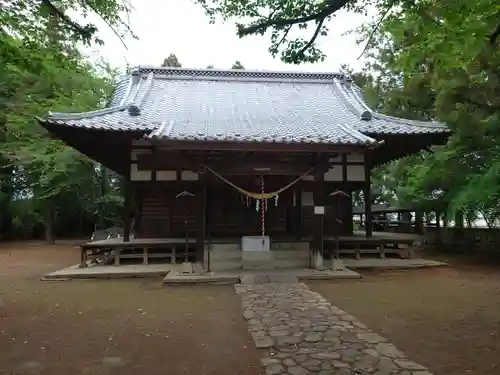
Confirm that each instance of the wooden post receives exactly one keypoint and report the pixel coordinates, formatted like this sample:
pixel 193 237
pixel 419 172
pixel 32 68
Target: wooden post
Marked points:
pixel 367 194
pixel 319 200
pixel 438 227
pixel 201 220
pixel 127 199
pixel 407 219
pixel 298 211
pixel 459 220
pixel 419 227
pixel 382 251
pixel 83 257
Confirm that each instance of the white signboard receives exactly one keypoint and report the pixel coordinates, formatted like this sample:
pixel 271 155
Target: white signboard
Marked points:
pixel 319 210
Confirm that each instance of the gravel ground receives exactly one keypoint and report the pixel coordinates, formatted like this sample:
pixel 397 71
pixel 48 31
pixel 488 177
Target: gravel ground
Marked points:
pixel 114 326
pixel 447 319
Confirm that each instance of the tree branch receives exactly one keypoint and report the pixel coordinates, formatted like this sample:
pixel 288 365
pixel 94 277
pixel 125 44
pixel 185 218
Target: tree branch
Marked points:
pixel 315 35
pixel 59 13
pixel 330 7
pixel 495 35
pixel 274 48
pixel 107 23
pixel 375 29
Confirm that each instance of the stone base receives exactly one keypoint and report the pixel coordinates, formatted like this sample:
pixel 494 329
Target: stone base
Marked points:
pixel 318 262
pixel 175 278
pixel 256 260
pixel 337 265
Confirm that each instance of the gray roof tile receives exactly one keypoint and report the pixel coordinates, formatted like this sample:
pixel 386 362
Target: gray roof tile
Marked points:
pixel 243 106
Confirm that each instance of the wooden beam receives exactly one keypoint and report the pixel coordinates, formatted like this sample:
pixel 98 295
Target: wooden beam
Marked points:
pixel 255 146
pixel 240 163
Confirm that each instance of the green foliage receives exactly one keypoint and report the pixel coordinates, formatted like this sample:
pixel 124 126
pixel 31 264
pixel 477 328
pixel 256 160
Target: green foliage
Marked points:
pixel 279 17
pixel 282 18
pixel 42 181
pixel 237 65
pixel 28 19
pixel 171 61
pixel 435 60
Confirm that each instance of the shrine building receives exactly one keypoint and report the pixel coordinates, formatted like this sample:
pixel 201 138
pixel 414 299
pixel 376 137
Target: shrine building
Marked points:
pixel 261 161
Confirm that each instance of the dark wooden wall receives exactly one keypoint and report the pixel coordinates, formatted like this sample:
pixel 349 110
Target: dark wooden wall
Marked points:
pixel 160 214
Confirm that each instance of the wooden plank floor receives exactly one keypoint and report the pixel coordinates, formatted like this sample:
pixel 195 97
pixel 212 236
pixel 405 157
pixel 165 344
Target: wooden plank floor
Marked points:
pixel 155 242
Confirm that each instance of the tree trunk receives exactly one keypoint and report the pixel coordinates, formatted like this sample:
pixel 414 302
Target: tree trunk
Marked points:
pixel 104 192
pixel 49 223
pixel 6 188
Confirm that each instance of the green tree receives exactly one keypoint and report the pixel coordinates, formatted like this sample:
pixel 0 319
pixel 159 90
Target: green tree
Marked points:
pixel 171 61
pixel 44 183
pixel 237 65
pixel 429 66
pixel 280 17
pixel 25 17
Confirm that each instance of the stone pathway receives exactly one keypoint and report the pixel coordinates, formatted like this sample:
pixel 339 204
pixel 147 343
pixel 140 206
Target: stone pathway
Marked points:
pixel 301 333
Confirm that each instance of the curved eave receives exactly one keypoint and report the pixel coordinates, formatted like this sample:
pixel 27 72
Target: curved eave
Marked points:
pixel 348 93
pixel 109 147
pixel 78 121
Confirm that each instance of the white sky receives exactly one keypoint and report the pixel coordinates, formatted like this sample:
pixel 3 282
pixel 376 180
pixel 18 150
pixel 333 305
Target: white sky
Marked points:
pixel 181 27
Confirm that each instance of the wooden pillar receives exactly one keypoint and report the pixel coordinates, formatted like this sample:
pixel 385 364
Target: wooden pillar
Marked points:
pixel 127 202
pixel 407 221
pixel 438 227
pixel 419 225
pixel 459 226
pixel 319 200
pixel 459 220
pixel 201 220
pixel 367 194
pixel 83 257
pixel 297 227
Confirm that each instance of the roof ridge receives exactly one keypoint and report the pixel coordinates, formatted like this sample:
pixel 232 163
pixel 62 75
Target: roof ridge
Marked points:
pixel 381 116
pixel 237 73
pixel 84 115
pixel 124 99
pixel 357 134
pixel 359 109
pixel 418 123
pixel 139 100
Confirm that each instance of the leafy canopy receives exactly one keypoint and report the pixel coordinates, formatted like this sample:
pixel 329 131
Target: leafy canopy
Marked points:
pixel 434 59
pixel 282 17
pixel 43 181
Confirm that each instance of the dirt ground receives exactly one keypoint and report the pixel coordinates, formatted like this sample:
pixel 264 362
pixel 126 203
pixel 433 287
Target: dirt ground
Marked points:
pixel 114 326
pixel 447 319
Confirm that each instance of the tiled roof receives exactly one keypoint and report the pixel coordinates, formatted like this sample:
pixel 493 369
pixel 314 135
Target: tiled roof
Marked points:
pixel 243 106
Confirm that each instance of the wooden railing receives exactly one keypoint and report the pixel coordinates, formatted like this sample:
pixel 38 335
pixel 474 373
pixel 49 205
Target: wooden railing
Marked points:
pixel 464 239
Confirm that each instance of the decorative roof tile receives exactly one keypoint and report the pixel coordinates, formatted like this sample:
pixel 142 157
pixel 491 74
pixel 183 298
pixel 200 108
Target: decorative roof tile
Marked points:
pixel 243 106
